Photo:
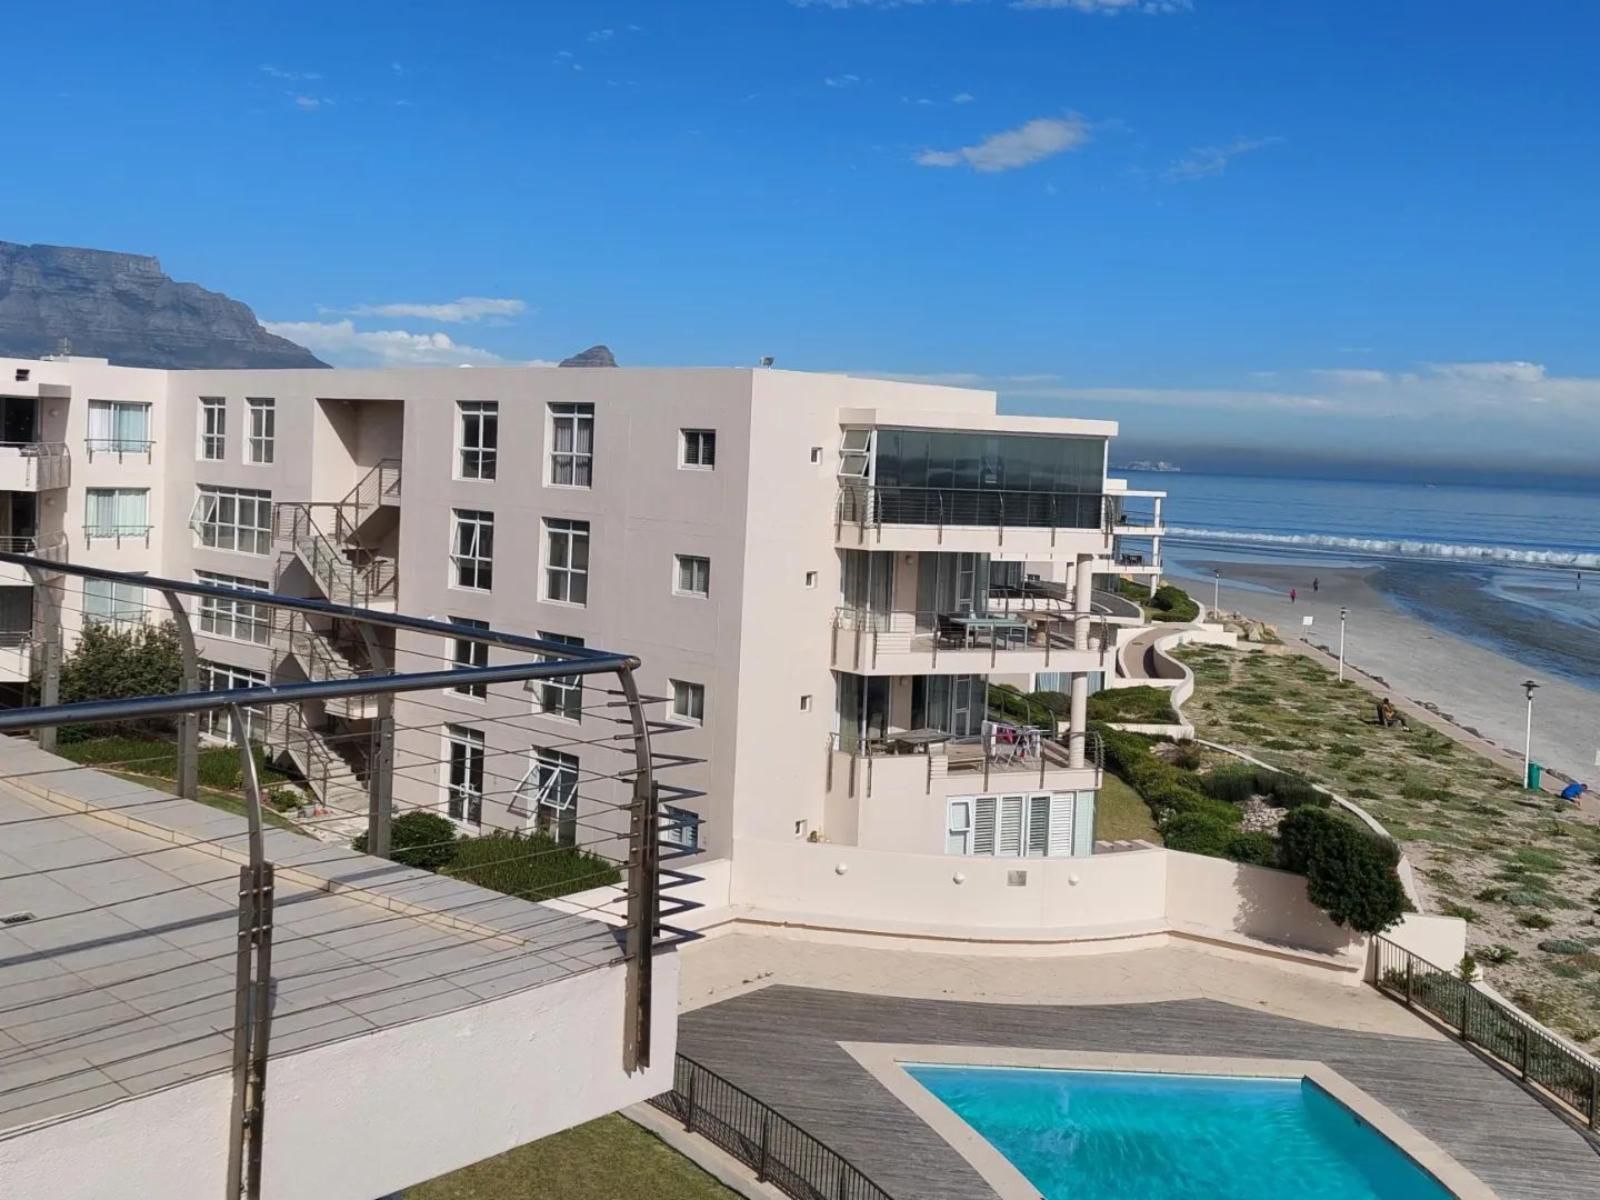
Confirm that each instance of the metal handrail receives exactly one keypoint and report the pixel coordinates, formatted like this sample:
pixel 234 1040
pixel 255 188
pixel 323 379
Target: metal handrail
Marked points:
pixel 119 447
pixel 779 1151
pixel 872 506
pixel 931 631
pixel 1543 1064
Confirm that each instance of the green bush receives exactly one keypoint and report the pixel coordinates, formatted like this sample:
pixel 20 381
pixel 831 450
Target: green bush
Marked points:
pixel 1200 833
pixel 1350 872
pixel 530 865
pixel 1534 920
pixel 111 662
pixel 1260 849
pixel 1235 785
pixel 1171 603
pixel 1143 705
pixel 1057 704
pixel 284 799
pixel 424 840
pixel 1563 946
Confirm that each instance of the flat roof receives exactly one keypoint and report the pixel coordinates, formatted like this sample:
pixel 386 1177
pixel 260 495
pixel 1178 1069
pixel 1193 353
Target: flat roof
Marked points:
pixel 896 418
pixel 122 980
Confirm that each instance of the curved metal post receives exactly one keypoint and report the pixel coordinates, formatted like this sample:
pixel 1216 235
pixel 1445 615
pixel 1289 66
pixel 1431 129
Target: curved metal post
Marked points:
pixel 643 885
pixel 380 779
pixel 189 722
pixel 50 634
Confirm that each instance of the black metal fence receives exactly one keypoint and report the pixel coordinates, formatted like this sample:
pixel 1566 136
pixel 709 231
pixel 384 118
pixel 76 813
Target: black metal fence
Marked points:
pixel 1483 1021
pixel 778 1150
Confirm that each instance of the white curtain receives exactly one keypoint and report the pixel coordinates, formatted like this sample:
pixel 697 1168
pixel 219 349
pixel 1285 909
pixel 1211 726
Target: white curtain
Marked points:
pixel 102 420
pixel 133 509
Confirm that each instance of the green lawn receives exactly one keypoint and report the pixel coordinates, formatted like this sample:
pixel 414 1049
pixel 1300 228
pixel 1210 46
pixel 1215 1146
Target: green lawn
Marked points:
pixel 608 1159
pixel 211 798
pixel 1120 813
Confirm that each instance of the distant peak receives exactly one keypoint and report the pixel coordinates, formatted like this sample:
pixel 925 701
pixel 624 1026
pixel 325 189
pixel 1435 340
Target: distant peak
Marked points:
pixel 594 356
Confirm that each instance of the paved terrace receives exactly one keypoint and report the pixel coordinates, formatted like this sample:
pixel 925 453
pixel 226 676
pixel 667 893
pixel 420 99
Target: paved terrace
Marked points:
pixel 122 981
pixel 781 1043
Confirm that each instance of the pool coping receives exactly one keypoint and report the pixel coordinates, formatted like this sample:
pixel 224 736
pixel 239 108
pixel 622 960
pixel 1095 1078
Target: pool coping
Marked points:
pixel 883 1061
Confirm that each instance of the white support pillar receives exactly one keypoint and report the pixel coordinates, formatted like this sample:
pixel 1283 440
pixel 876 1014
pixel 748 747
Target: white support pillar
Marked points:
pixel 1082 611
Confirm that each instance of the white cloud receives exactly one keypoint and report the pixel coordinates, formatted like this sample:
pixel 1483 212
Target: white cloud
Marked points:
pixel 602 35
pixel 1490 372
pixel 962 98
pixel 842 81
pixel 342 344
pixel 273 72
pixel 1109 6
pixel 453 312
pixel 1352 376
pixel 1205 161
pixel 308 103
pixel 1034 141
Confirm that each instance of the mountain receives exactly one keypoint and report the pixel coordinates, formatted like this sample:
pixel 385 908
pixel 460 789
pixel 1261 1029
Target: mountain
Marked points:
pixel 103 304
pixel 594 356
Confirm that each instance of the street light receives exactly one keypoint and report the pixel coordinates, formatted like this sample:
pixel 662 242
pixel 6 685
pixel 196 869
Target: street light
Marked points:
pixel 1343 613
pixel 1527 746
pixel 1216 591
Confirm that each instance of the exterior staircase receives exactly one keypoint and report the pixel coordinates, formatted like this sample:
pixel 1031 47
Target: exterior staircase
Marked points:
pixel 322 656
pixel 339 786
pixel 335 541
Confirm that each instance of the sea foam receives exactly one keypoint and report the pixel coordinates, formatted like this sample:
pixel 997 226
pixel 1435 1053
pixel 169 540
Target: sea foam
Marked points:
pixel 1578 560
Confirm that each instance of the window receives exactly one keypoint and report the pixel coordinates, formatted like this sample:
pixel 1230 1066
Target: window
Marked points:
pixel 464 774
pixel 472 549
pixel 117 426
pixel 679 827
pixel 805 703
pixel 237 619
pixel 811 579
pixel 233 519
pixel 107 602
pixel 263 414
pixel 116 512
pixel 566 570
pixel 213 428
pixel 467 653
pixel 549 792
pixel 478 435
pixel 855 453
pixel 220 677
pixel 562 695
pixel 694 575
pixel 572 445
pixel 816 456
pixel 689 702
pixel 1035 825
pixel 699 449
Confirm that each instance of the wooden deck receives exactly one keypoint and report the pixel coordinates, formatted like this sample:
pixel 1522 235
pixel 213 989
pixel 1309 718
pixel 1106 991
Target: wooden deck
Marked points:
pixel 781 1045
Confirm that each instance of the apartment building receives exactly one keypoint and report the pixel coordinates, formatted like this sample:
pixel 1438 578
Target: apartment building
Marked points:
pixel 826 578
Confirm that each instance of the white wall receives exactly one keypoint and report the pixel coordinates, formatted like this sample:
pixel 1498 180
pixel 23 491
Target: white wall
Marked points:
pixel 372 1114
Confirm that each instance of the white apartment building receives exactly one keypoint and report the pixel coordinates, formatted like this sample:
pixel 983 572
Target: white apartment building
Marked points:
pixel 826 577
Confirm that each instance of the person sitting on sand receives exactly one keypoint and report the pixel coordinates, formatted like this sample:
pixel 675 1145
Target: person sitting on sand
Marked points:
pixel 1574 791
pixel 1389 715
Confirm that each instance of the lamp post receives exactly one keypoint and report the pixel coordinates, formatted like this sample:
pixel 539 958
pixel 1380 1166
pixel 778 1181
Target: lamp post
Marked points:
pixel 1527 746
pixel 1216 591
pixel 1343 613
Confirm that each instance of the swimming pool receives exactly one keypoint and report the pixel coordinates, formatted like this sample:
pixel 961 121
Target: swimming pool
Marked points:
pixel 1110 1135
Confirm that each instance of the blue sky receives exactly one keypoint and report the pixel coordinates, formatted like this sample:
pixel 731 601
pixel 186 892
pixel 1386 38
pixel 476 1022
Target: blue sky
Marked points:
pixel 1329 224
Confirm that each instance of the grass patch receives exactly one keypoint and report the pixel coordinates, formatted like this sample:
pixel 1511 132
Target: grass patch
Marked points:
pixel 603 1160
pixel 1120 813
pixel 1136 705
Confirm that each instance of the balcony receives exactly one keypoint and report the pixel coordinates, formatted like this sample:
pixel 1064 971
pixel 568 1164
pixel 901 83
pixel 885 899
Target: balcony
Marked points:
pixel 34 466
pixel 119 448
pixel 1000 523
pixel 16 655
pixel 51 546
pixel 932 643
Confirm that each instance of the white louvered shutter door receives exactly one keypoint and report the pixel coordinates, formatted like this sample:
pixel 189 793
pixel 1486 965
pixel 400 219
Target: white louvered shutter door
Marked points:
pixel 1061 813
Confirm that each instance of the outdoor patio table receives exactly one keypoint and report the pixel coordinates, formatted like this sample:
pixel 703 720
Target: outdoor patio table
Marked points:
pixel 1006 627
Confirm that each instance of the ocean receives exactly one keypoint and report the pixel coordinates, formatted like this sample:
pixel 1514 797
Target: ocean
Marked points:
pixel 1512 568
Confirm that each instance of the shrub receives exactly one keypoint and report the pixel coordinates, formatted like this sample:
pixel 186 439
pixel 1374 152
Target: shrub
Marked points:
pixel 530 865
pixel 1236 785
pixel 1143 705
pixel 1562 946
pixel 1200 833
pixel 1534 920
pixel 419 839
pixel 1187 755
pixel 1498 955
pixel 112 662
pixel 1289 791
pixel 1057 704
pixel 1350 872
pixel 284 799
pixel 1172 603
pixel 1256 847
pixel 1452 908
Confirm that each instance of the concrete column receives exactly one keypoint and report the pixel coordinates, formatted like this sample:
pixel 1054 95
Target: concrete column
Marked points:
pixel 1082 610
pixel 47 608
pixel 189 723
pixel 1078 722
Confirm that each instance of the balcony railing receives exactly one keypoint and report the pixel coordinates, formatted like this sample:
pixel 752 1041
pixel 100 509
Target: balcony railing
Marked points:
pixel 118 533
pixel 45 465
pixel 868 507
pixel 860 635
pixel 1019 755
pixel 121 447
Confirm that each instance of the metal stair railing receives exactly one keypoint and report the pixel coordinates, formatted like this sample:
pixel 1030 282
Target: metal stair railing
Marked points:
pixel 336 784
pixel 320 656
pixel 342 581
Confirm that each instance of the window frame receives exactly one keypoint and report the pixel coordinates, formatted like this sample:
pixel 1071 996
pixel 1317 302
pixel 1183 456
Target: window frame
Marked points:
pixel 575 461
pixel 697 449
pixel 261 430
pixel 215 722
pixel 212 500
pixel 566 689
pixel 472 556
pixel 568 530
pixel 482 451
pixel 692 563
pixel 1044 825
pixel 696 696
pixel 476 654
pixel 123 605
pixel 463 800
pixel 216 617
pixel 211 434
pixel 116 443
pixel 678 827
pixel 551 783
pixel 116 529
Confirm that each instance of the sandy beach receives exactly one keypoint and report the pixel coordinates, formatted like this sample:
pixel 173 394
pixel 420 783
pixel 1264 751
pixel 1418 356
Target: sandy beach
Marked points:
pixel 1477 688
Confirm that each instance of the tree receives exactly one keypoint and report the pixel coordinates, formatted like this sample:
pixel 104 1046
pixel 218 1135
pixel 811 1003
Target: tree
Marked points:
pixel 1350 871
pixel 115 663
pixel 418 839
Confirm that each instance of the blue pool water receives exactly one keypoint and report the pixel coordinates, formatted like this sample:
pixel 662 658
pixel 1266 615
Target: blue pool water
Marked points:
pixel 1094 1135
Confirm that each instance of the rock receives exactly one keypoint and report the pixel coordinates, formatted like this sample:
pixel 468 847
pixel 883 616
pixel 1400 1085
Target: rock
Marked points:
pixel 594 356
pixel 123 307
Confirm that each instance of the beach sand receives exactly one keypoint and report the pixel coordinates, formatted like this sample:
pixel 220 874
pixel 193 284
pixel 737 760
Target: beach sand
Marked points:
pixel 1477 688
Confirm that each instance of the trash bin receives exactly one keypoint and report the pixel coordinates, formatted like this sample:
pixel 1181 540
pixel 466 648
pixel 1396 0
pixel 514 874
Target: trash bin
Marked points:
pixel 1535 774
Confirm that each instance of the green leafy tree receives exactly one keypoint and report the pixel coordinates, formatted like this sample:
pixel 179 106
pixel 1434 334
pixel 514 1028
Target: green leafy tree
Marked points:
pixel 115 663
pixel 418 839
pixel 1350 872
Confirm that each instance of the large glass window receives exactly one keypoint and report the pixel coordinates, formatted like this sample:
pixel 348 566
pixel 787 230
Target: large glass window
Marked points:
pixel 213 428
pixel 561 695
pixel 261 445
pixel 478 435
pixel 116 512
pixel 469 653
pixel 463 781
pixel 220 677
pixel 109 602
pixel 118 426
pixel 572 444
pixel 472 549
pixel 237 619
pixel 550 793
pixel 233 519
pixel 566 569
pixel 925 476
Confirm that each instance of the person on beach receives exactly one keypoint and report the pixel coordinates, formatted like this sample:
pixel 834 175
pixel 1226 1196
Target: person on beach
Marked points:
pixel 1316 584
pixel 1293 595
pixel 1574 791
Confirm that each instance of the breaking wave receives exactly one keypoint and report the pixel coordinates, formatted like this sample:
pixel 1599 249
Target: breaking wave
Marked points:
pixel 1399 546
